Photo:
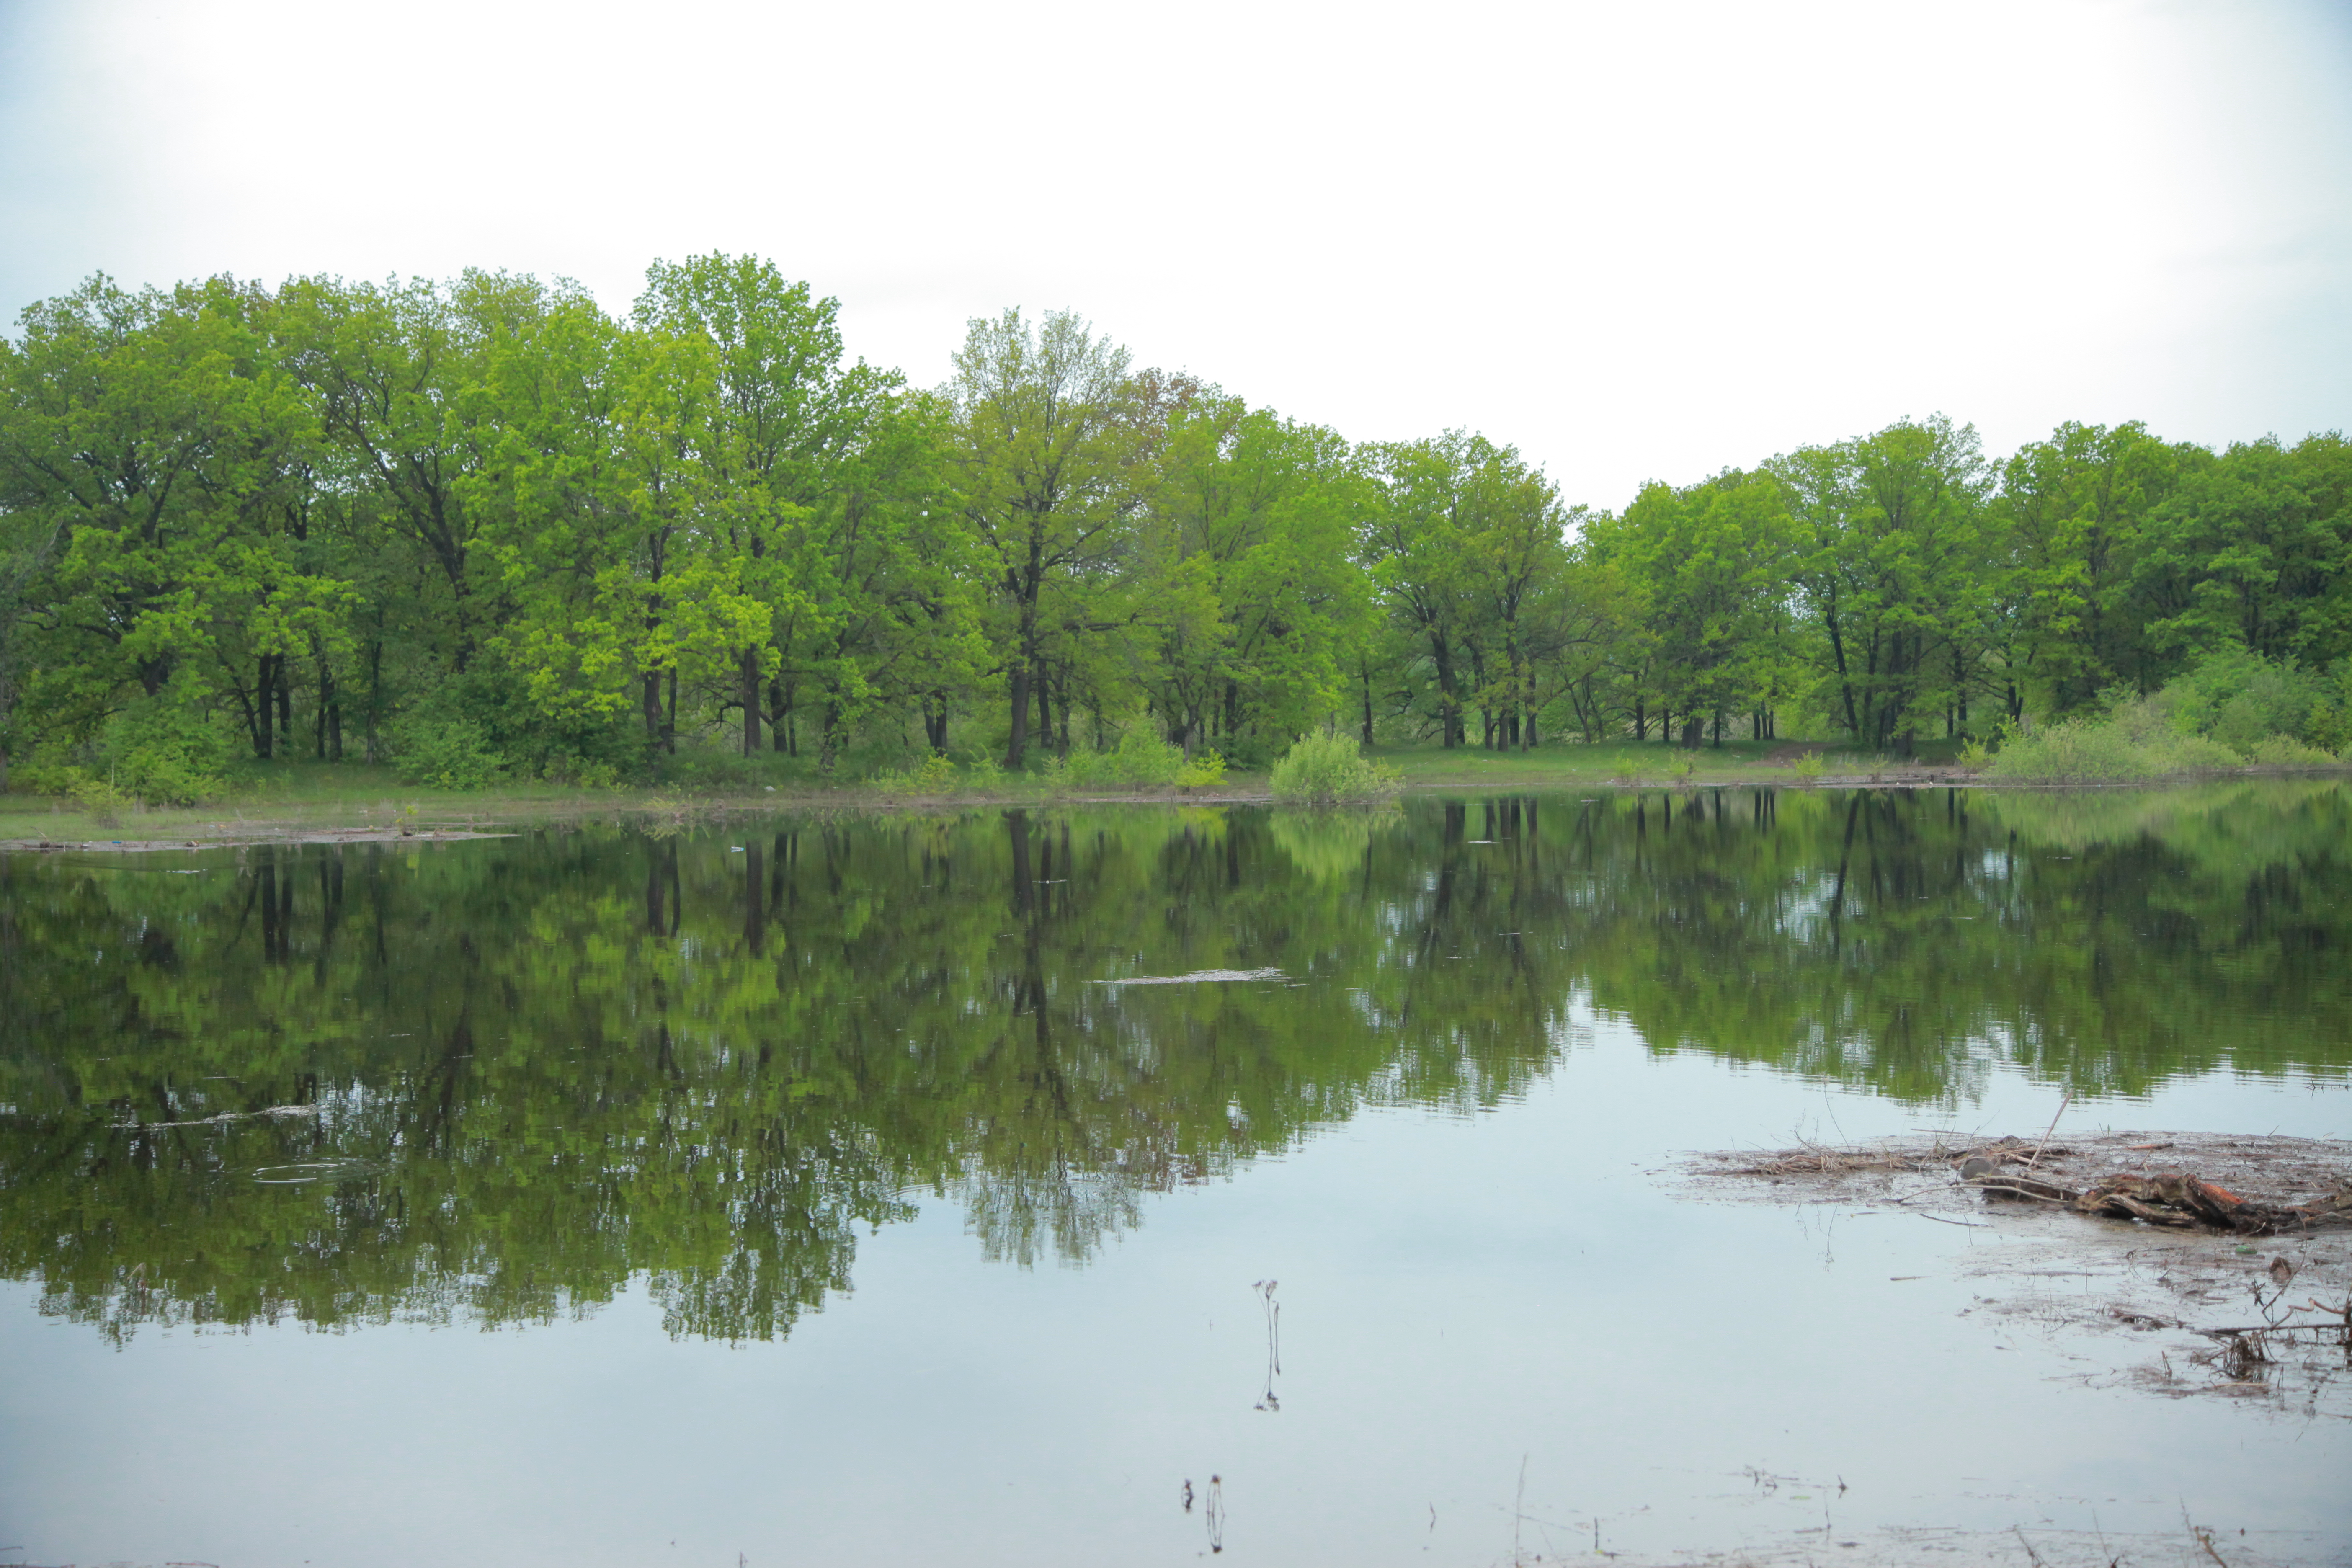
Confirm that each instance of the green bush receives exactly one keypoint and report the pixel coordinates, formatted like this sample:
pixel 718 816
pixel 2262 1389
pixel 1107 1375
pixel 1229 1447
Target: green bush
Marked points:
pixel 1249 754
pixel 1322 769
pixel 445 750
pixel 2286 751
pixel 2241 698
pixel 934 775
pixel 1205 770
pixel 2105 750
pixel 1140 761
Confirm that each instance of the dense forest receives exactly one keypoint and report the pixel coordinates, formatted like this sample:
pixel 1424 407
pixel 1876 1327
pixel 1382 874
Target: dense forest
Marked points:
pixel 483 529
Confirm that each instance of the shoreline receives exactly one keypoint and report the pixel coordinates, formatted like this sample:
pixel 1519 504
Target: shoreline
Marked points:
pixel 431 819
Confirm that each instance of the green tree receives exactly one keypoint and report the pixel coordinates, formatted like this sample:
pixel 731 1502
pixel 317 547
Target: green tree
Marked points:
pixel 1254 606
pixel 1894 564
pixel 154 455
pixel 1043 461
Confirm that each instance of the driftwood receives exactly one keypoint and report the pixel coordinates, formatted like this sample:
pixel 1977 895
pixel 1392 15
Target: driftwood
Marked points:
pixel 2177 1198
pixel 225 1117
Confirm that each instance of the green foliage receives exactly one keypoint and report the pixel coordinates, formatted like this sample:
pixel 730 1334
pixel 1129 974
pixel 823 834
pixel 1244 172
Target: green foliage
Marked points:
pixel 445 749
pixel 935 775
pixel 1324 769
pixel 1204 771
pixel 2242 699
pixel 2231 707
pixel 632 544
pixel 2134 743
pixel 1140 761
pixel 165 749
pixel 2286 751
pixel 1808 768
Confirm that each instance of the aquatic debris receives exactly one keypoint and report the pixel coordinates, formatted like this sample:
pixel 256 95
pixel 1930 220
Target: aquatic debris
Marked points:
pixel 2178 1198
pixel 302 1172
pixel 1267 1401
pixel 1198 977
pixel 1813 1160
pixel 225 1116
pixel 2277 1185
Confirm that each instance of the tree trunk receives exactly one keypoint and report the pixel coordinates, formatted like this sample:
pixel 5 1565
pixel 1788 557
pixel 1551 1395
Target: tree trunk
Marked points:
pixel 264 738
pixel 375 699
pixel 326 699
pixel 1016 742
pixel 749 667
pixel 1042 679
pixel 1449 710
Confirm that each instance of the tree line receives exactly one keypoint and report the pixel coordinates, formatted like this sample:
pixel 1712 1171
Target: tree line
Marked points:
pixel 485 526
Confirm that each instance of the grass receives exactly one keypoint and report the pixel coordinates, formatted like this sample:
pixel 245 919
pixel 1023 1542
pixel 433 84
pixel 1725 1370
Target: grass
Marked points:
pixel 1650 762
pixel 269 799
pixel 272 799
pixel 294 795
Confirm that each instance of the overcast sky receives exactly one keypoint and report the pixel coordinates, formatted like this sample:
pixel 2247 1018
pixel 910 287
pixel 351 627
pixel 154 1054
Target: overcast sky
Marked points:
pixel 1635 239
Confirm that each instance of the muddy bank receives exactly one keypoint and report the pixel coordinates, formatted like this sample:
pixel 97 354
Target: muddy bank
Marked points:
pixel 258 835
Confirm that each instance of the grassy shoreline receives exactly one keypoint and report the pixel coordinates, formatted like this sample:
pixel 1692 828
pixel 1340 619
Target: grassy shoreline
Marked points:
pixel 355 801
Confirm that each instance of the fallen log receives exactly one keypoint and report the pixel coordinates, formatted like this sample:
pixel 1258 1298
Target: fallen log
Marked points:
pixel 2176 1198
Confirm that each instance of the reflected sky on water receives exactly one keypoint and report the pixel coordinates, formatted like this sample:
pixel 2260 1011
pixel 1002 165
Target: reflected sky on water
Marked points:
pixel 835 1199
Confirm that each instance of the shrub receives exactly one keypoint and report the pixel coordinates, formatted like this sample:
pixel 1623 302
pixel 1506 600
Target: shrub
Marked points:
pixel 1140 761
pixel 933 775
pixel 164 750
pixel 2105 750
pixel 1320 769
pixel 444 751
pixel 1808 767
pixel 98 797
pixel 1204 770
pixel 2286 751
pixel 1249 754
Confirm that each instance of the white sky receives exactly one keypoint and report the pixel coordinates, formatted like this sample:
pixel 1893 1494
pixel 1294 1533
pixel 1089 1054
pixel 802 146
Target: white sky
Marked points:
pixel 1636 239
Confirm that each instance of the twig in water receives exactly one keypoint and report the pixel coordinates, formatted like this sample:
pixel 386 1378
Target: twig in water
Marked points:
pixel 2203 1538
pixel 2063 1104
pixel 1518 1510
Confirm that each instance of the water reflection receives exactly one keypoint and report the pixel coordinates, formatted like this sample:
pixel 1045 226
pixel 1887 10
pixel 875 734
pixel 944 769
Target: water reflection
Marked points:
pixel 545 1066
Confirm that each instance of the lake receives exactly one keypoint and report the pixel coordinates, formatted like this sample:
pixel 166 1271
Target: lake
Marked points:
pixel 1128 1184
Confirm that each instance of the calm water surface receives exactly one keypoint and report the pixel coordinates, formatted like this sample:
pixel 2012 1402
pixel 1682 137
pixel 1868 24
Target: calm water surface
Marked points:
pixel 826 1191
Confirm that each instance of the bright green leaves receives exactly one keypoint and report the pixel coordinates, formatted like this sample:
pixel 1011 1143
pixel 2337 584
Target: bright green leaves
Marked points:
pixel 1467 547
pixel 1255 607
pixel 158 462
pixel 1043 458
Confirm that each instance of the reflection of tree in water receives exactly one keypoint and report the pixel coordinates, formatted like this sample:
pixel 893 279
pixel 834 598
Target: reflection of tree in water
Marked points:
pixel 544 1067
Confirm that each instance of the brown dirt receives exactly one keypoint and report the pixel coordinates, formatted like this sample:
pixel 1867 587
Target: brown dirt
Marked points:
pixel 258 836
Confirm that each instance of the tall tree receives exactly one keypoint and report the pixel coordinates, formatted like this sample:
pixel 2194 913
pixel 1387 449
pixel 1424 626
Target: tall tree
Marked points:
pixel 1044 464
